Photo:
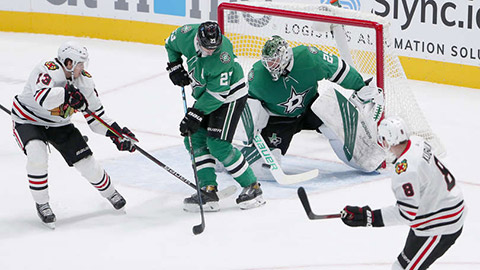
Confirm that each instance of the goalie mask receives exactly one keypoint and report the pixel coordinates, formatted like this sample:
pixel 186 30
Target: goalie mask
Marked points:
pixel 72 51
pixel 209 37
pixel 276 55
pixel 392 131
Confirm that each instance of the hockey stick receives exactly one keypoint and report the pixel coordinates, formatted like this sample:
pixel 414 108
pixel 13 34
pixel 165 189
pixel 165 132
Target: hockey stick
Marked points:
pixel 5 109
pixel 197 229
pixel 306 205
pixel 221 194
pixel 275 169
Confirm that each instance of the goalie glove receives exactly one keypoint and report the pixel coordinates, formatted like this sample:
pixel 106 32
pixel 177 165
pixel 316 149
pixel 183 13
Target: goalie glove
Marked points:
pixel 355 216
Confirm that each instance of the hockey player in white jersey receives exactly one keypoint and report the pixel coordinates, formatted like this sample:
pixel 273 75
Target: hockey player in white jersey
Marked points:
pixel 428 199
pixel 41 116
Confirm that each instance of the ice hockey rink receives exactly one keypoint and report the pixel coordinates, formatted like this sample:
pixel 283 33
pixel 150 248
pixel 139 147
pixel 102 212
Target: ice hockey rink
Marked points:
pixel 155 233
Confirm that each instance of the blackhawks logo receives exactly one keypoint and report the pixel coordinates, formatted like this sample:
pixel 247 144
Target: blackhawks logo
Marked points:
pixel 401 167
pixel 250 75
pixel 51 65
pixel 86 74
pixel 185 29
pixel 225 57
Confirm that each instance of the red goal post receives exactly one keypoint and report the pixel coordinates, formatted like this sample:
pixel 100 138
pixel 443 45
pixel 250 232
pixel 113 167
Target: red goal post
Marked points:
pixel 362 39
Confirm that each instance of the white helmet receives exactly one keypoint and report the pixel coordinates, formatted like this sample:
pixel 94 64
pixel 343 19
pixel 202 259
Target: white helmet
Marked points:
pixel 393 131
pixel 73 51
pixel 276 55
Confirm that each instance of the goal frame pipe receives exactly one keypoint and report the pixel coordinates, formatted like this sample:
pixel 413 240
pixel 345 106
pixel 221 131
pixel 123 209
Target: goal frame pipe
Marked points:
pixel 378 27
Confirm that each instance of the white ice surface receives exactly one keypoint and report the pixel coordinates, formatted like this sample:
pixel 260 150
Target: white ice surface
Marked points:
pixel 156 233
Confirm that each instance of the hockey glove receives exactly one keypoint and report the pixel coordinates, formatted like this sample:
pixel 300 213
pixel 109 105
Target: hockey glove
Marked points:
pixel 123 144
pixel 191 122
pixel 355 216
pixel 74 98
pixel 178 75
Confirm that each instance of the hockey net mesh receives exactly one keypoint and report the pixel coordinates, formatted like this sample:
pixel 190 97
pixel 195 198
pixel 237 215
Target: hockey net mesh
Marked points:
pixel 248 32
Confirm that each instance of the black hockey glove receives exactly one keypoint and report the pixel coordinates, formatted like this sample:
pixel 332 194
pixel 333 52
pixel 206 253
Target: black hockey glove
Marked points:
pixel 178 75
pixel 123 144
pixel 74 98
pixel 355 216
pixel 191 122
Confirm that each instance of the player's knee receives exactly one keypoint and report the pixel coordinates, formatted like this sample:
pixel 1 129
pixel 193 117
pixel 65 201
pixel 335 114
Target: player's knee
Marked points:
pixel 37 156
pixel 89 168
pixel 220 149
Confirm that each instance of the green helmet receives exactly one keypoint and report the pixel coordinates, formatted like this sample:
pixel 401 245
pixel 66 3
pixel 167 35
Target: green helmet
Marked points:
pixel 276 55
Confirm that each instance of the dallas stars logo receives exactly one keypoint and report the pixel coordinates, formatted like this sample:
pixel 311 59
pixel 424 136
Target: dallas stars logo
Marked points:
pixel 274 140
pixel 295 101
pixel 195 82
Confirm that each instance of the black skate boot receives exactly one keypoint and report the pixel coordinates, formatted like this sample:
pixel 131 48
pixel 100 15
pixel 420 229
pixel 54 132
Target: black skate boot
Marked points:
pixel 46 214
pixel 117 200
pixel 251 197
pixel 209 203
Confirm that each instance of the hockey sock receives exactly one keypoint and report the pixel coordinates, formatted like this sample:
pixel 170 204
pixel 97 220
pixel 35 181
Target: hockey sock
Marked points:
pixel 204 161
pixel 96 175
pixel 37 170
pixel 233 160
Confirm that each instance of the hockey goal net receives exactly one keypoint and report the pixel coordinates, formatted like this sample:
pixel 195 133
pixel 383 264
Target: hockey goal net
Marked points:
pixel 361 39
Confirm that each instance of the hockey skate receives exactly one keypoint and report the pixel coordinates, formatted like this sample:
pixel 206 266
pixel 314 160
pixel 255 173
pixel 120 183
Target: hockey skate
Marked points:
pixel 251 197
pixel 209 203
pixel 117 200
pixel 46 215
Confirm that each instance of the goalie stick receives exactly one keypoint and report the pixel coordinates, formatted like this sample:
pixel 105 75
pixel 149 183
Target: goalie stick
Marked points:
pixel 221 194
pixel 275 168
pixel 306 205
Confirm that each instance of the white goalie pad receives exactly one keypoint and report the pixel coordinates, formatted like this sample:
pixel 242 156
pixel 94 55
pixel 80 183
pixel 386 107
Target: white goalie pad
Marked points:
pixel 352 134
pixel 254 118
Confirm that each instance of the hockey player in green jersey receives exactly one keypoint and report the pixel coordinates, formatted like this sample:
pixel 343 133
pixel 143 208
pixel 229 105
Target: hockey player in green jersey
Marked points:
pixel 220 93
pixel 285 83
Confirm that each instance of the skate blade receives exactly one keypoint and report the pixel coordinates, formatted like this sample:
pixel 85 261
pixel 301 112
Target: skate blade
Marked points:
pixel 254 203
pixel 208 207
pixel 50 225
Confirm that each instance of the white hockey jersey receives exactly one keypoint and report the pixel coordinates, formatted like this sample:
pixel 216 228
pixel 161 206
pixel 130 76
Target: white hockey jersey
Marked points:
pixel 42 99
pixel 428 199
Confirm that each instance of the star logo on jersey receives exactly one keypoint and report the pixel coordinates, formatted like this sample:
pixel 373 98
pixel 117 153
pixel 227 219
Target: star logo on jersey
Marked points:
pixel 274 140
pixel 295 101
pixel 195 82
pixel 401 167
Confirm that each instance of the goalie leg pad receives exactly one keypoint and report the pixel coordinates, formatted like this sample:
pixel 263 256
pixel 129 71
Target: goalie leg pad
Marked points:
pixel 351 133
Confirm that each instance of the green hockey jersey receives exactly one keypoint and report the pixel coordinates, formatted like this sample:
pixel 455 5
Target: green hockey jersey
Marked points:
pixel 216 79
pixel 291 95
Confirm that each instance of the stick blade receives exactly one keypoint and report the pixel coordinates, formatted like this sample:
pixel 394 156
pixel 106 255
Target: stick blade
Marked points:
pixel 286 179
pixel 198 229
pixel 302 195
